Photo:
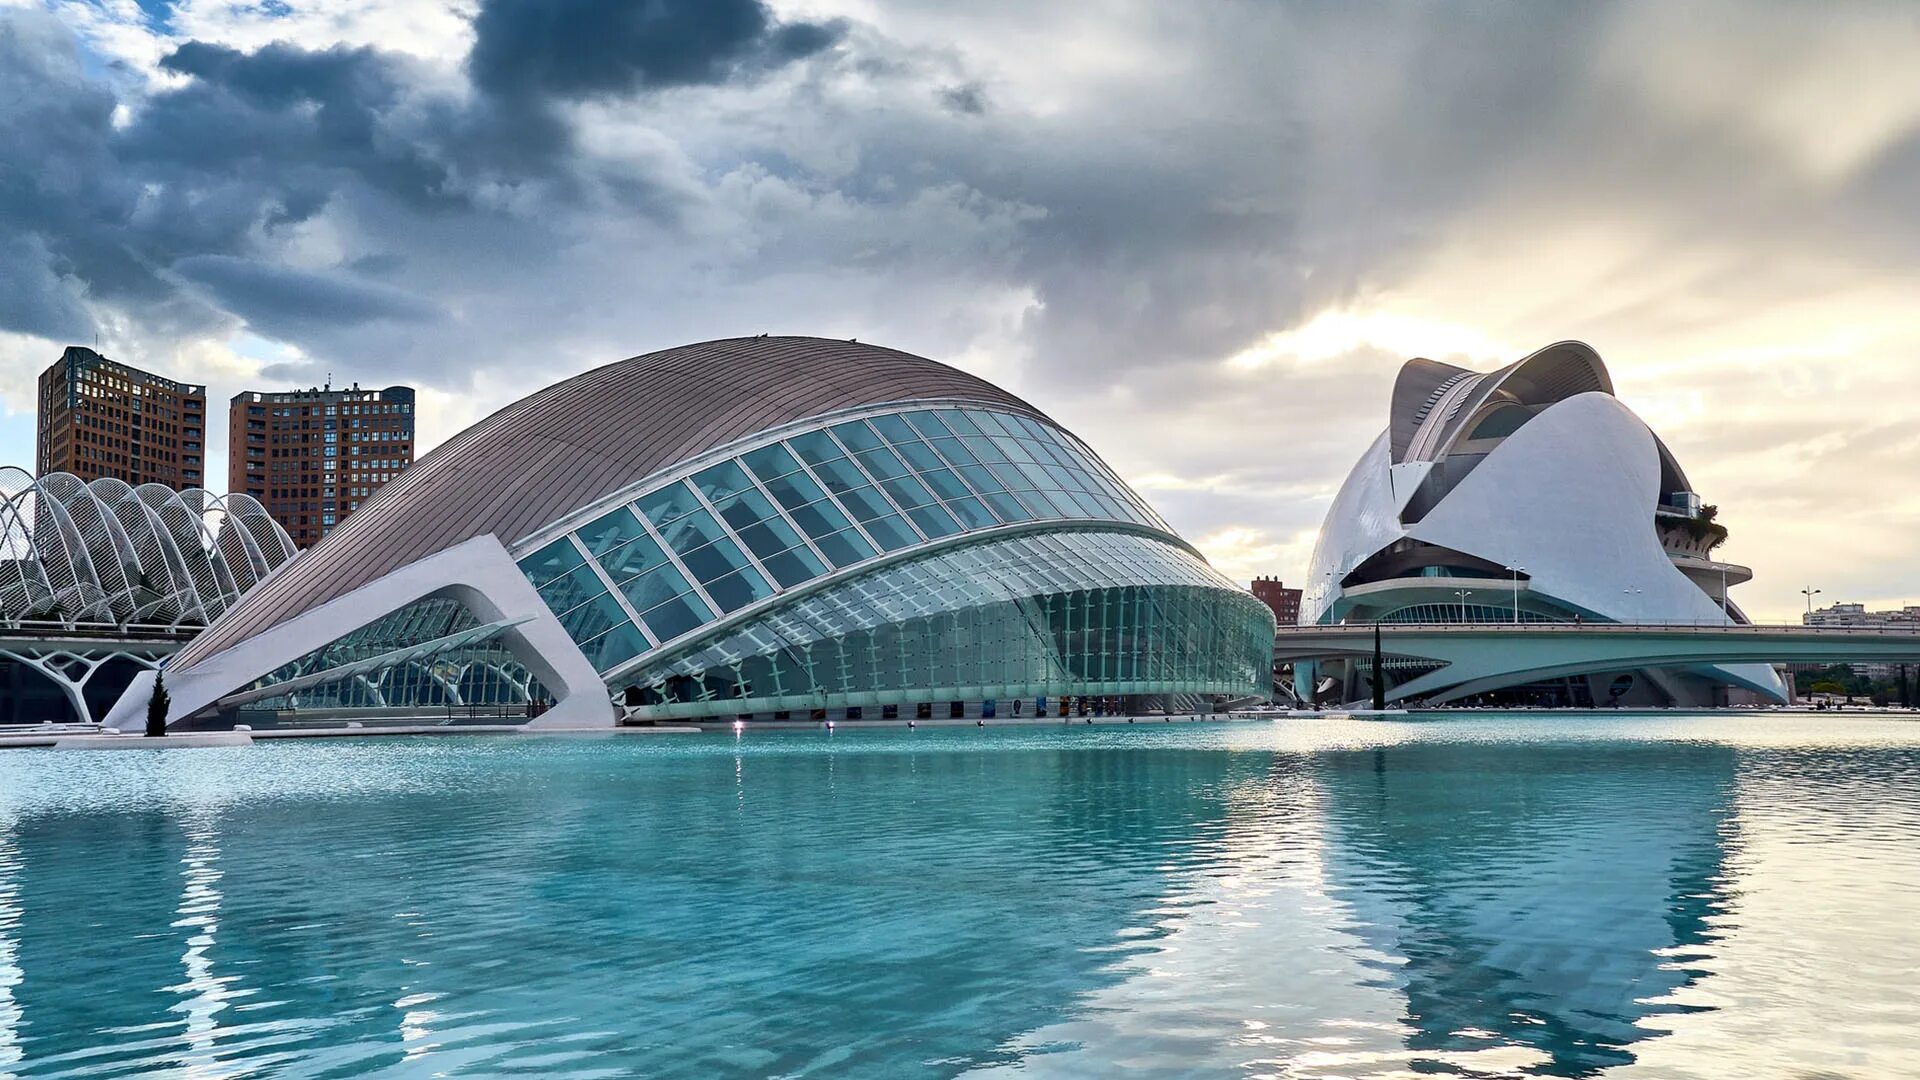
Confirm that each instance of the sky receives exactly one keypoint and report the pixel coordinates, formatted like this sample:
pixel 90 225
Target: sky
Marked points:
pixel 1204 236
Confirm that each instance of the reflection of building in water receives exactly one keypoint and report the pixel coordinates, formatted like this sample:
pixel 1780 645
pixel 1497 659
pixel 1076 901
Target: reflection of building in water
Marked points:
pixel 1546 902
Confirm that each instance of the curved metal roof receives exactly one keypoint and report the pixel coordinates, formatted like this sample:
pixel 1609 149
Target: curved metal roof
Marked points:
pixel 1435 422
pixel 585 438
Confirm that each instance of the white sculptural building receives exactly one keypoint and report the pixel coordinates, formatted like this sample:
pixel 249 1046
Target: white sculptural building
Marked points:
pixel 113 563
pixel 1528 494
pixel 755 529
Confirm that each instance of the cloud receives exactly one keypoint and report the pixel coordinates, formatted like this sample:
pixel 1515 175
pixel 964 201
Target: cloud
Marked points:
pixel 284 302
pixel 1205 237
pixel 577 49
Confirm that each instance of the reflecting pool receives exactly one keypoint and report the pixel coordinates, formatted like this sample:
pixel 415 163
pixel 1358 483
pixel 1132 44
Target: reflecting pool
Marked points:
pixel 1631 896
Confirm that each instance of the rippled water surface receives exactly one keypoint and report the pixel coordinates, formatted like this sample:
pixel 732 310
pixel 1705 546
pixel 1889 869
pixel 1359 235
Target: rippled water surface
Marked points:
pixel 1632 897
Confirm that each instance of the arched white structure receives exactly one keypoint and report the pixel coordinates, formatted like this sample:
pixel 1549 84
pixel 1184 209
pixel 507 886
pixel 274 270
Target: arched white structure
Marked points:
pixel 1526 494
pixel 80 554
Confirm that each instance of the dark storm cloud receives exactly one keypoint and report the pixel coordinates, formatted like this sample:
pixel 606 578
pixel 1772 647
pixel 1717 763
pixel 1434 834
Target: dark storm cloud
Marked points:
pixel 286 303
pixel 577 49
pixel 970 99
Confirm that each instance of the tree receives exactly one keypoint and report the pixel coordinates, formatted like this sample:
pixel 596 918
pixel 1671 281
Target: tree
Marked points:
pixel 157 706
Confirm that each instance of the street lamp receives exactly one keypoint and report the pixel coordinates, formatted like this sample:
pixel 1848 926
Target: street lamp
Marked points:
pixel 1810 592
pixel 1631 592
pixel 1517 571
pixel 1463 594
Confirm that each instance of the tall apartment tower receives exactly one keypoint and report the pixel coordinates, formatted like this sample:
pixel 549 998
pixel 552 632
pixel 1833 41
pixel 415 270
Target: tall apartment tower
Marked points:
pixel 313 456
pixel 1285 602
pixel 99 418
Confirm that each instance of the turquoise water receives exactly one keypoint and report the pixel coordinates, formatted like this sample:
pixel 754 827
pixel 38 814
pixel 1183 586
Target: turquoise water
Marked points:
pixel 1631 897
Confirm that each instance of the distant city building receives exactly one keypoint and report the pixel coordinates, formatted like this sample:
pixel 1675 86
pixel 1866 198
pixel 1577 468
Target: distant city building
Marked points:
pixel 312 457
pixel 1857 616
pixel 101 419
pixel 1284 602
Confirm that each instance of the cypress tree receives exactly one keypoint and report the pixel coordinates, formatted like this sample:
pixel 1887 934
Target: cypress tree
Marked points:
pixel 157 707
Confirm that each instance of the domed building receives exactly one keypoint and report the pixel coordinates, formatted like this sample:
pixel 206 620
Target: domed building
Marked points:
pixel 1527 494
pixel 761 528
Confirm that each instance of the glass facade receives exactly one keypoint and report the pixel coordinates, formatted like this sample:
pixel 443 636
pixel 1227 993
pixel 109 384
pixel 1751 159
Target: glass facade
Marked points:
pixel 485 674
pixel 698 548
pixel 1069 613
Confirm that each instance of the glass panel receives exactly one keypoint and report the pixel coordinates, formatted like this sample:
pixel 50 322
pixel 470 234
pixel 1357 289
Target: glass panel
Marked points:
pixel 551 561
pixel 908 492
pixel 770 538
pixel 934 521
pixel 670 502
pixel 603 534
pixel 635 557
pixel 654 587
pixel 990 423
pixel 1006 506
pixel 856 435
pixel 593 618
pixel 983 448
pixel 926 424
pixel 1011 478
pixel 710 562
pixel 954 451
pixel 676 617
pixel 840 475
pixel 882 463
pixel 620 644
pixel 919 455
pixel 891 533
pixel 815 447
pixel 945 484
pixel 1015 450
pixel 770 461
pixel 821 519
pixel 957 422
pixel 796 490
pixel 569 590
pixel 865 504
pixel 791 568
pixel 747 509
pixel 845 548
pixel 721 481
pixel 737 590
pixel 972 513
pixel 692 531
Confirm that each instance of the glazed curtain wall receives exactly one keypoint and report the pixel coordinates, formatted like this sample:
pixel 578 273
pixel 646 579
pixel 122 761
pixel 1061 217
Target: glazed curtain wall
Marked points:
pixel 697 549
pixel 1067 613
pixel 482 674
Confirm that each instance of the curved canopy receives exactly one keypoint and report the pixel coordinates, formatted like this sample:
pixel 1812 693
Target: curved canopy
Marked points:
pixel 583 439
pixel 1456 404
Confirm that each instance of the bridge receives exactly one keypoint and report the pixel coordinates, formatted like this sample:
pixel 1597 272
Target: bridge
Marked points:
pixel 89 666
pixel 1480 657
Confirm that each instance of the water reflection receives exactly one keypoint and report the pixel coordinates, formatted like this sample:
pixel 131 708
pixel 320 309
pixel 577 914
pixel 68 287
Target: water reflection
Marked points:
pixel 1534 909
pixel 10 1052
pixel 1366 900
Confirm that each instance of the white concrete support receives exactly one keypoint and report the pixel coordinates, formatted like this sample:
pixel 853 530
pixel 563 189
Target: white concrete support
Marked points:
pixel 478 573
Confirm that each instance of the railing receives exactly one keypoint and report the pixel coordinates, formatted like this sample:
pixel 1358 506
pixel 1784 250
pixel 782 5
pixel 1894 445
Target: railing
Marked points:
pixel 1700 627
pixel 108 631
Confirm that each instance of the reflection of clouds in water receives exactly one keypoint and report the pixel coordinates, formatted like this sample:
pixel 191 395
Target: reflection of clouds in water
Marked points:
pixel 10 865
pixel 1812 967
pixel 1250 964
pixel 1478 897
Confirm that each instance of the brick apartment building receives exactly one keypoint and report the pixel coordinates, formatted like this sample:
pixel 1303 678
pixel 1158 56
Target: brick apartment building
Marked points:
pixel 102 418
pixel 312 457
